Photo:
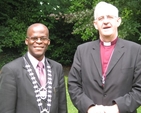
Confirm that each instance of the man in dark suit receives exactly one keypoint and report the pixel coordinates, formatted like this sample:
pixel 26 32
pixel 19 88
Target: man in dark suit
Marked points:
pixel 33 83
pixel 105 76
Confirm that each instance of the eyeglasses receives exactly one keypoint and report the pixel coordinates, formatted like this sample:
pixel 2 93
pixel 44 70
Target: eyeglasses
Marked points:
pixel 108 17
pixel 35 39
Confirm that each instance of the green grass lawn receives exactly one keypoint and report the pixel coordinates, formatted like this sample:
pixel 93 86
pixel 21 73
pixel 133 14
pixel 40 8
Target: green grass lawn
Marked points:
pixel 71 108
pixel 139 110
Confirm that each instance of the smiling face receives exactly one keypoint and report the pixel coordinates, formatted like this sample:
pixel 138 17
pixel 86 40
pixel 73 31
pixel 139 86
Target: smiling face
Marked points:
pixel 37 40
pixel 107 22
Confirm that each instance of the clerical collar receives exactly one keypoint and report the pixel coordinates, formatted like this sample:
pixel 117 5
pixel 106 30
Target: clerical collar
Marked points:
pixel 109 43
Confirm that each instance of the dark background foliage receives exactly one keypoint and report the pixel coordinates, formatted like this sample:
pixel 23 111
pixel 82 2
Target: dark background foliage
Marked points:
pixel 70 23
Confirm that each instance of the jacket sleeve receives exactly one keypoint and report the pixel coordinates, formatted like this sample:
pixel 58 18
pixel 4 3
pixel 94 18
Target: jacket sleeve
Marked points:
pixel 132 100
pixel 7 90
pixel 81 101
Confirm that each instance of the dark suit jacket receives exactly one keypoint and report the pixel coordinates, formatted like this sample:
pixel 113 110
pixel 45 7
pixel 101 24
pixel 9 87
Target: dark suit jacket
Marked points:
pixel 123 81
pixel 17 93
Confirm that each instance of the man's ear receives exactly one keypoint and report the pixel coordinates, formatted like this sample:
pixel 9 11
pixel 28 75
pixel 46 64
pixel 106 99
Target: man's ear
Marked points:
pixel 49 42
pixel 26 41
pixel 95 25
pixel 118 21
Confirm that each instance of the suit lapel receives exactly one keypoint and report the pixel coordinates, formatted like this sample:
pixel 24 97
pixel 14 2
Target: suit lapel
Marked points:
pixel 96 56
pixel 27 74
pixel 25 70
pixel 117 54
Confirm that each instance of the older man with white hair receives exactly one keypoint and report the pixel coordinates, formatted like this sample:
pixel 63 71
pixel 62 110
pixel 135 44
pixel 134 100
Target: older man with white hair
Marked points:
pixel 105 76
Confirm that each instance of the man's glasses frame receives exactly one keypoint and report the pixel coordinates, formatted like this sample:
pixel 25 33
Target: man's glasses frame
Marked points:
pixel 35 39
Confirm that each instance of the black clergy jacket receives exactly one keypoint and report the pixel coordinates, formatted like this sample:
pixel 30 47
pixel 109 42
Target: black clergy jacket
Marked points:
pixel 123 77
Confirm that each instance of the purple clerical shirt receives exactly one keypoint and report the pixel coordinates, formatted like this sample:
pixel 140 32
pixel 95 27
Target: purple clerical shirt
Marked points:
pixel 106 51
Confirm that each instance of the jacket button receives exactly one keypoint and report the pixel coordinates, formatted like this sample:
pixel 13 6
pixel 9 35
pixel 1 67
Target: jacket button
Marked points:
pixel 104 95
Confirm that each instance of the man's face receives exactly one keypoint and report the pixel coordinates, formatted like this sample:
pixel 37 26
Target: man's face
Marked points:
pixel 106 23
pixel 37 41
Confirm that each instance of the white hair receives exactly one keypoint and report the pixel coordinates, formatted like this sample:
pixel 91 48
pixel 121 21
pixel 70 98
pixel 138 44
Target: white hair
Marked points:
pixel 105 5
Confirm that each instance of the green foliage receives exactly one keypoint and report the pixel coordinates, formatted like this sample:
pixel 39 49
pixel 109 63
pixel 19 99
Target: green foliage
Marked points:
pixel 83 24
pixel 3 31
pixel 80 5
pixel 82 17
pixel 70 23
pixel 20 14
pixel 8 55
pixel 63 43
pixel 130 26
pixel 15 17
pixel 15 35
pixel 54 6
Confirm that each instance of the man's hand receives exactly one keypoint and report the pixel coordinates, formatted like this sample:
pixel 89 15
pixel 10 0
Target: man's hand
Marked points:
pixel 111 109
pixel 103 109
pixel 96 109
